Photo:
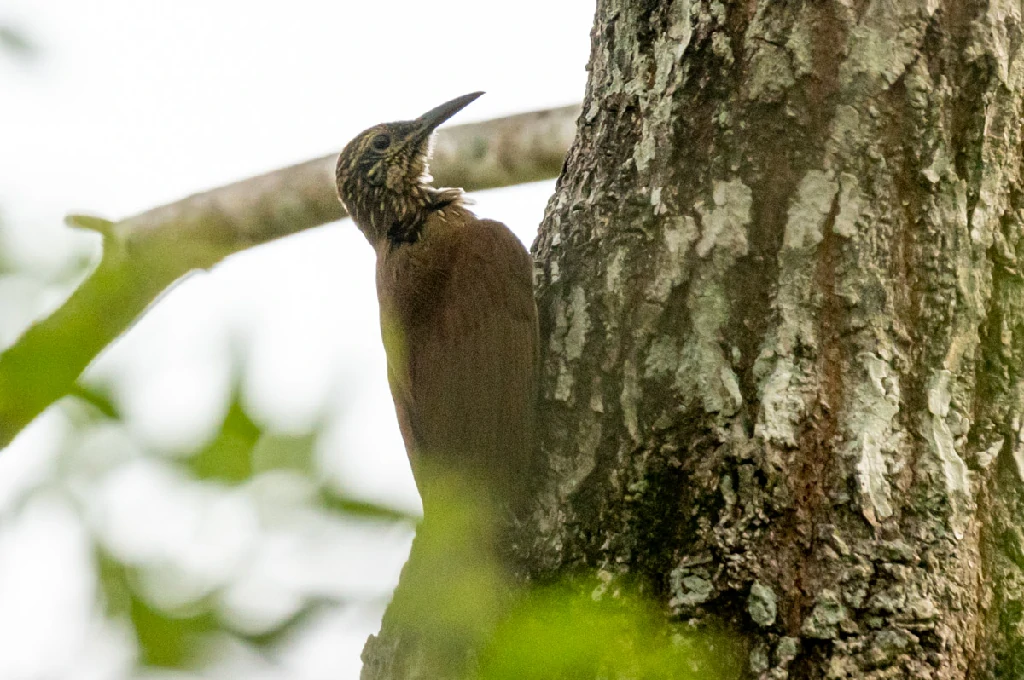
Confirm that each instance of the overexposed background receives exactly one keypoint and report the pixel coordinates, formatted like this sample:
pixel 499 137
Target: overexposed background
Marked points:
pixel 132 103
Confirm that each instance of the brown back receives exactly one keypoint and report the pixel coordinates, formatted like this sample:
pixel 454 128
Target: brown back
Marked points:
pixel 459 325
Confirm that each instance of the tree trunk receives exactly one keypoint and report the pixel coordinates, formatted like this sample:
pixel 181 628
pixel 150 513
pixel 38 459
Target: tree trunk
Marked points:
pixel 784 330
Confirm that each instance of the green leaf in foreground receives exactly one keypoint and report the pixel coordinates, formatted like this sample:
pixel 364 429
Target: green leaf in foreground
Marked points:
pixel 559 634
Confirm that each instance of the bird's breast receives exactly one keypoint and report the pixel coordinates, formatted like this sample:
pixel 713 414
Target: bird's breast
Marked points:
pixel 413 278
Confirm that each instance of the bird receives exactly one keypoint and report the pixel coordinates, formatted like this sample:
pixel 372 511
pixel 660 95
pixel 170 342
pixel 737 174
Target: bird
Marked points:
pixel 457 314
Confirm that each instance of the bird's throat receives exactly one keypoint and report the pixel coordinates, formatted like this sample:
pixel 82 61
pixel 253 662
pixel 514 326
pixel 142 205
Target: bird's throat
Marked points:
pixel 398 218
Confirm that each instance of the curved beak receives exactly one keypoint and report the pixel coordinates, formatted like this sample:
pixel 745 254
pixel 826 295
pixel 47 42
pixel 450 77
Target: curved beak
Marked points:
pixel 430 120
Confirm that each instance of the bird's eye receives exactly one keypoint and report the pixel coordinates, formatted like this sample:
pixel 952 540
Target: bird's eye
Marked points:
pixel 381 142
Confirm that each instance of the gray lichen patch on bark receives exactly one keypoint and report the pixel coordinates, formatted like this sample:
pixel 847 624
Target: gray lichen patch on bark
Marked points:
pixel 569 338
pixel 784 397
pixel 672 44
pixel 939 436
pixel 883 43
pixel 852 206
pixel 998 35
pixel 629 399
pixel 724 224
pixel 826 617
pixel 704 372
pixel 810 210
pixel 873 436
pixel 762 604
pixel 788 386
pixel 672 266
pixel 771 75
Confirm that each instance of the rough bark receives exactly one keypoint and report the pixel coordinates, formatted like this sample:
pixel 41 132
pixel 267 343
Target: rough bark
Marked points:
pixel 784 330
pixel 144 254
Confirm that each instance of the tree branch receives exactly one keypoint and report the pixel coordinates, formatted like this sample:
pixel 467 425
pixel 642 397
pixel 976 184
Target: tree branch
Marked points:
pixel 143 255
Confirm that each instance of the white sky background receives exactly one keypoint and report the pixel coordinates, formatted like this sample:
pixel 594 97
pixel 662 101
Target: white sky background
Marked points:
pixel 134 103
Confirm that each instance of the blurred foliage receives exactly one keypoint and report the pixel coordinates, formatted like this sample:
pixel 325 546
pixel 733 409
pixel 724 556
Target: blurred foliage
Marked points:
pixel 13 41
pixel 97 399
pixel 240 450
pixel 453 596
pixel 165 639
pixel 173 638
pixel 228 457
pixel 561 633
pixel 456 594
pixel 452 591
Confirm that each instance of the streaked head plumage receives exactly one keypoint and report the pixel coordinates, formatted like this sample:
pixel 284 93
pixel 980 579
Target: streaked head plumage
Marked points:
pixel 382 175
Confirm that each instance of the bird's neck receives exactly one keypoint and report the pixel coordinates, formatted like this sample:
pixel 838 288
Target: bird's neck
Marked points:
pixel 398 217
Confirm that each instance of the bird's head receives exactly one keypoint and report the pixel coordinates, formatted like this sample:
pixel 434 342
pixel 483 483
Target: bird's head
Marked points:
pixel 382 175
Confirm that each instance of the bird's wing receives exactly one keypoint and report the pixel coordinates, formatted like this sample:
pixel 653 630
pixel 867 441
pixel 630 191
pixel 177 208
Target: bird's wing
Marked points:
pixel 465 388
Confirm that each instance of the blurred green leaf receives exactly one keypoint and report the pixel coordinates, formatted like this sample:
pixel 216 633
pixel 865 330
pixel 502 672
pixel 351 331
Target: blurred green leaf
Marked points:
pixel 97 398
pixel 15 42
pixel 165 639
pixel 228 458
pixel 453 588
pixel 558 634
pixel 341 504
pixel 242 449
pixel 90 223
pixel 170 639
pixel 276 451
pixel 300 619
